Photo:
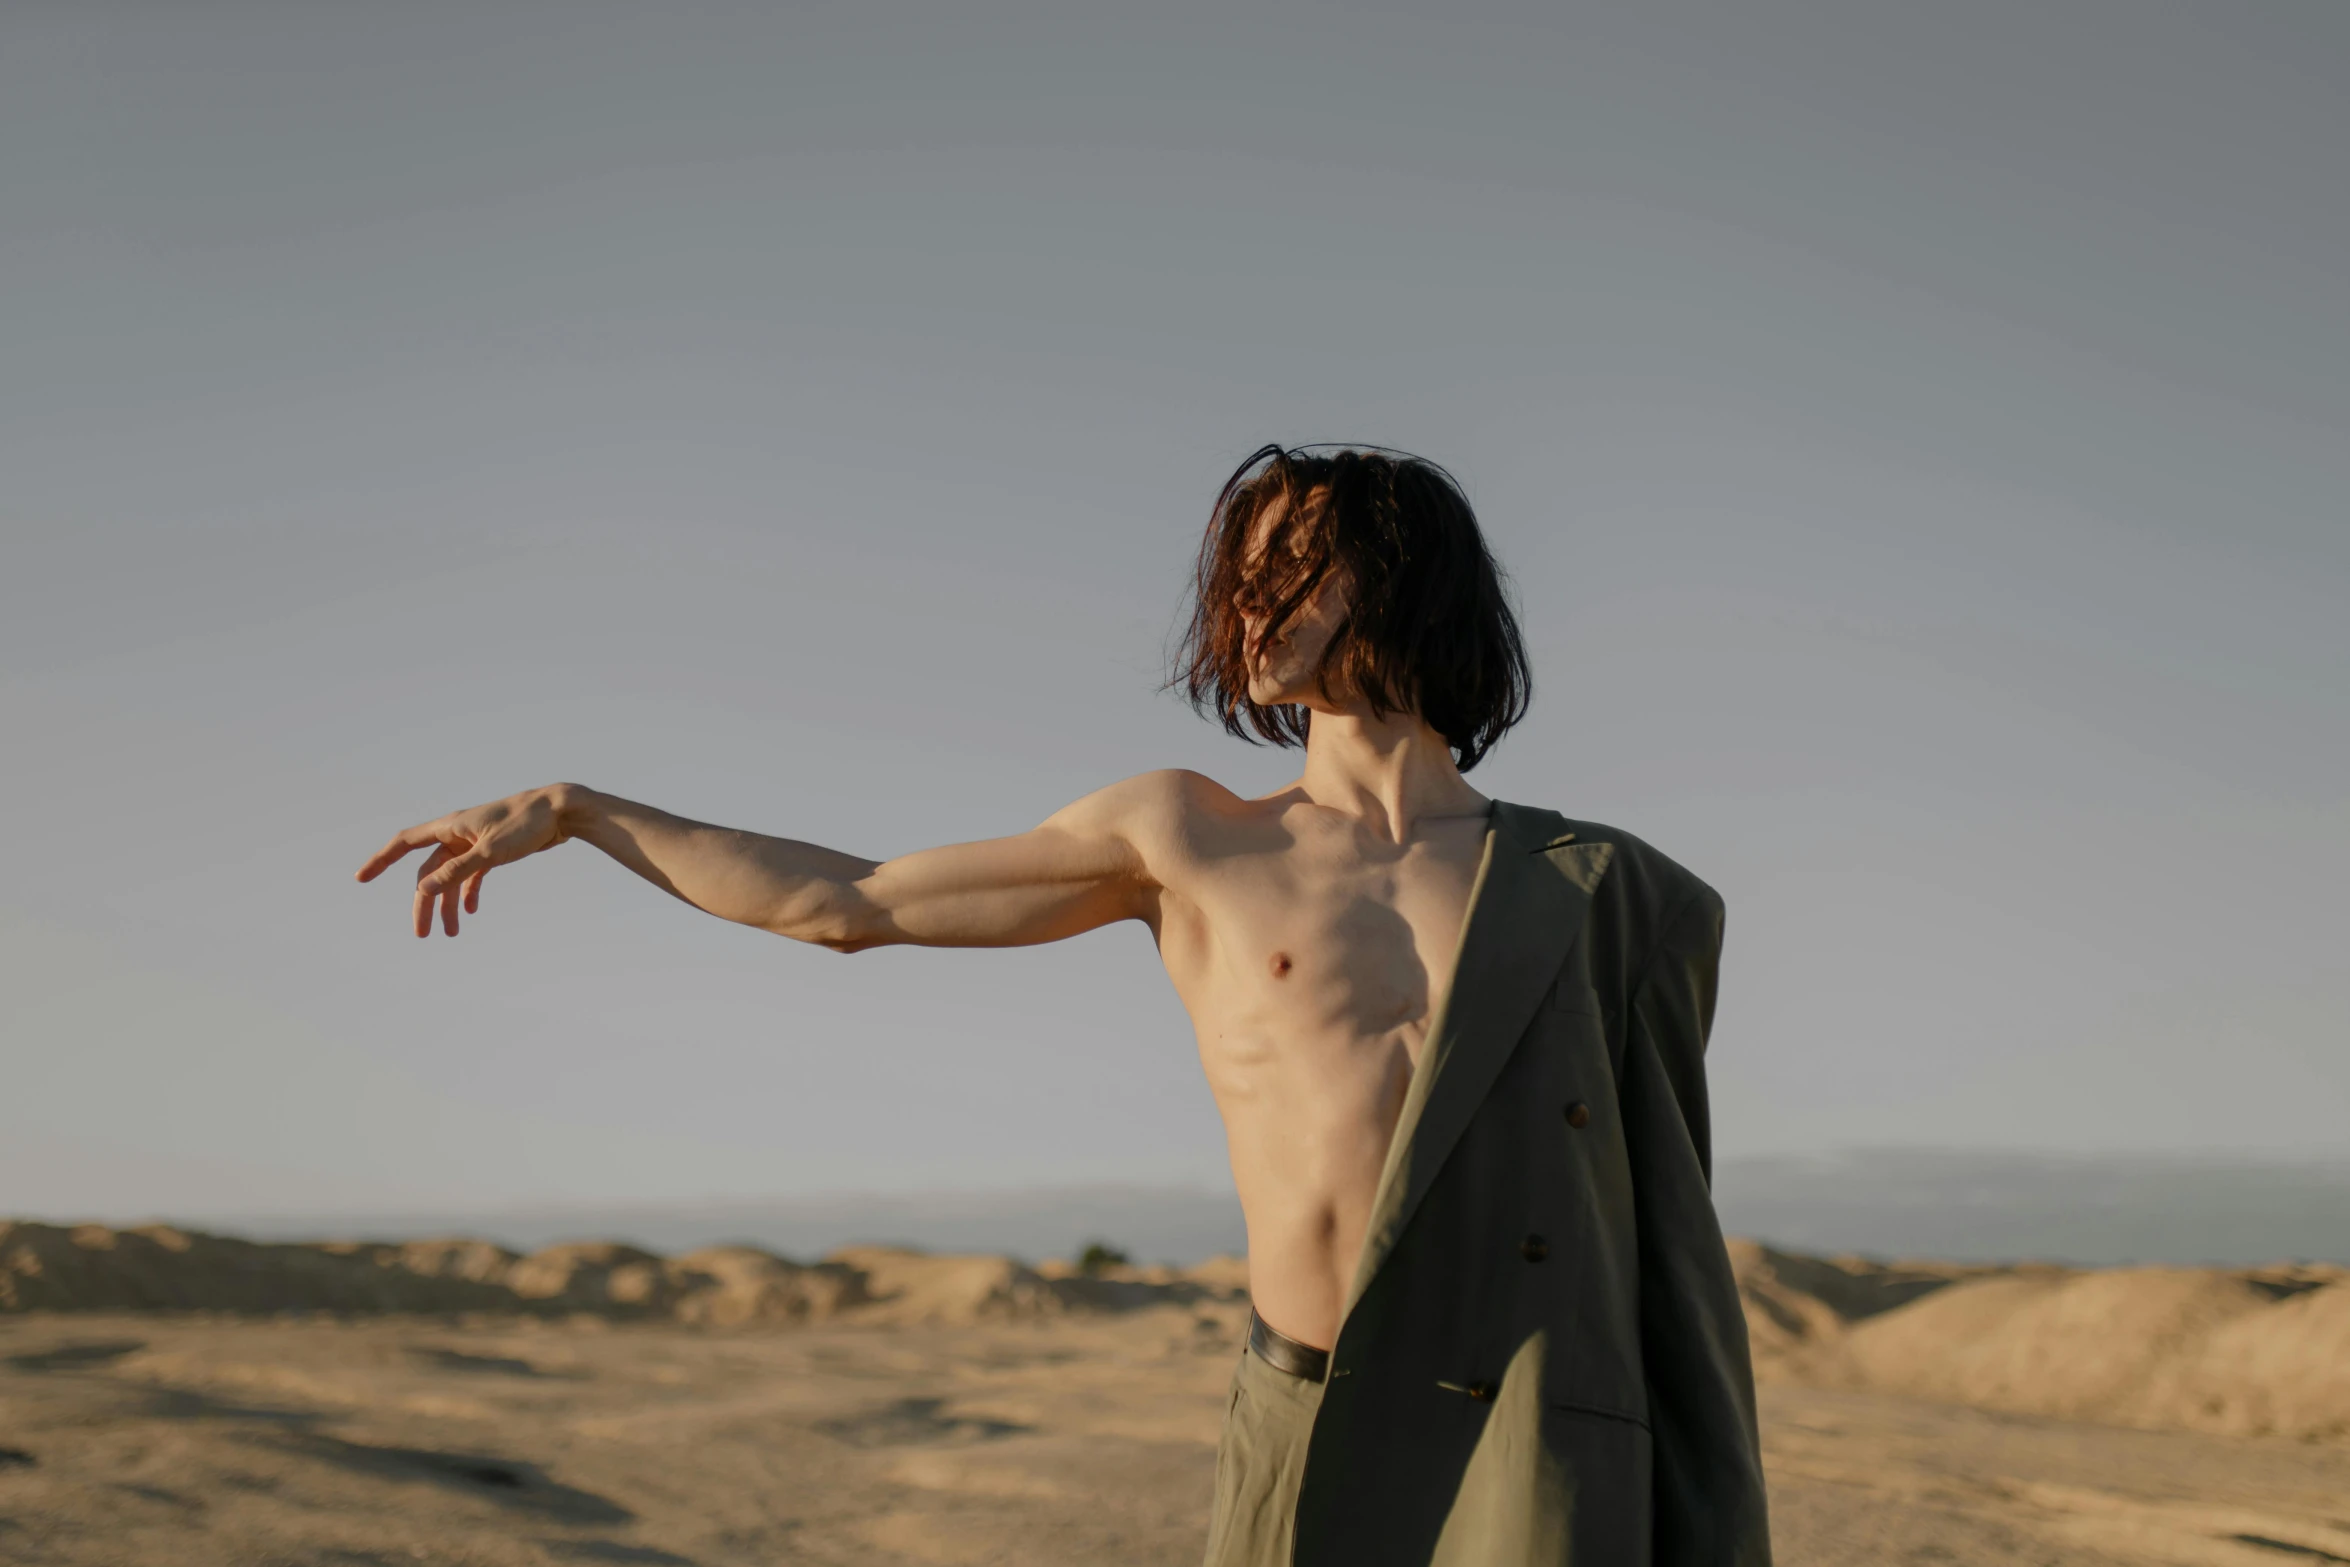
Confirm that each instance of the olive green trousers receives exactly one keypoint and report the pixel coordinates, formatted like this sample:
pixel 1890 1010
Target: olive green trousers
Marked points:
pixel 1260 1458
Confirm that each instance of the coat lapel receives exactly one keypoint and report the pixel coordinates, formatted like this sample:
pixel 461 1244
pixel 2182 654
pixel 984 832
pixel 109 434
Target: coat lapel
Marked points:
pixel 1533 886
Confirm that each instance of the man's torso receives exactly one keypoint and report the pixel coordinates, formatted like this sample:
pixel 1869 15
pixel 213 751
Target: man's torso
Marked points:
pixel 1312 956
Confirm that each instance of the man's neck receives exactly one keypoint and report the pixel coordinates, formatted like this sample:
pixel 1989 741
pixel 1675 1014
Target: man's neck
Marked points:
pixel 1388 774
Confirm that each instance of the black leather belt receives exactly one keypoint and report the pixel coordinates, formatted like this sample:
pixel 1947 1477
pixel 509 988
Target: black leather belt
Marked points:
pixel 1283 1353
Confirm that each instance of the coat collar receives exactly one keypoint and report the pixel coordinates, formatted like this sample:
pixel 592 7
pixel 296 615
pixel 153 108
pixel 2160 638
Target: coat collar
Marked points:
pixel 1534 884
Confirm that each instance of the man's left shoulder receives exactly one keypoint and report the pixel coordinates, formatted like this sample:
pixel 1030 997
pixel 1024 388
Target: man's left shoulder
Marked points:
pixel 1641 879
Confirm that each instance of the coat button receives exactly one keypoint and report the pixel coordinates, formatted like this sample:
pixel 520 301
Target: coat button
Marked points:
pixel 1482 1392
pixel 1578 1115
pixel 1533 1248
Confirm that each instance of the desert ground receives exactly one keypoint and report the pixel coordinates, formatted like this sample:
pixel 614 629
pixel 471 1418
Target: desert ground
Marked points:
pixel 885 1407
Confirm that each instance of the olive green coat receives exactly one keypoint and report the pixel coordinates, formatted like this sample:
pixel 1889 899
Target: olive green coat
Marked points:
pixel 1542 1359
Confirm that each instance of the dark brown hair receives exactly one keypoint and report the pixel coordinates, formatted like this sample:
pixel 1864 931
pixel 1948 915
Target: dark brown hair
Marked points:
pixel 1428 628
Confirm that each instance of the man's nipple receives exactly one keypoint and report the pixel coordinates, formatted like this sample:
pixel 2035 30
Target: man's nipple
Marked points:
pixel 1281 965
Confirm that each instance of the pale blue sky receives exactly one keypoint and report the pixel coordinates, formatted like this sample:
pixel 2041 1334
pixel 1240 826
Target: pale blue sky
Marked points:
pixel 1916 435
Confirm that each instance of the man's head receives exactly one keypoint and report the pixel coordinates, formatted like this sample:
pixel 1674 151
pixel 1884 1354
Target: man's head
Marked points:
pixel 1349 580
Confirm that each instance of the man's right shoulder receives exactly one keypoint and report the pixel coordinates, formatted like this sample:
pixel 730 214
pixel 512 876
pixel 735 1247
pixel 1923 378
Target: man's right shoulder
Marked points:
pixel 1163 791
pixel 1155 811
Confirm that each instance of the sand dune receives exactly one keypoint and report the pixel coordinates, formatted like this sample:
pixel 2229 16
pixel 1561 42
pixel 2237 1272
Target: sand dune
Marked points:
pixel 2242 1352
pixel 91 1267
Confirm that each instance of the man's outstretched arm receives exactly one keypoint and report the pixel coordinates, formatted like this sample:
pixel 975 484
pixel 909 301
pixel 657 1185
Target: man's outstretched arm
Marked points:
pixel 1083 867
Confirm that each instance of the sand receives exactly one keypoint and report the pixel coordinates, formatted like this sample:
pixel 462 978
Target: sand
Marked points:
pixel 2238 1352
pixel 600 1404
pixel 1071 1440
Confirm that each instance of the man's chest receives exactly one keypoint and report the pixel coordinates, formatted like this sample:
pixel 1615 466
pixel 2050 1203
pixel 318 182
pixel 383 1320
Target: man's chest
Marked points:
pixel 1310 938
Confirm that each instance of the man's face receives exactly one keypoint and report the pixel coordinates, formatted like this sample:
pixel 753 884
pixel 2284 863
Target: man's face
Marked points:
pixel 1281 668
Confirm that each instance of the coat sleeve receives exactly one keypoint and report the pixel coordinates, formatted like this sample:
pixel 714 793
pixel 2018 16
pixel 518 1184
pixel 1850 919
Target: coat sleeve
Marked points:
pixel 1708 1484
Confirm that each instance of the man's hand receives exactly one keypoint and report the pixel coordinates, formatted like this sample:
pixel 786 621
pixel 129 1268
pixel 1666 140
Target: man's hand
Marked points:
pixel 466 846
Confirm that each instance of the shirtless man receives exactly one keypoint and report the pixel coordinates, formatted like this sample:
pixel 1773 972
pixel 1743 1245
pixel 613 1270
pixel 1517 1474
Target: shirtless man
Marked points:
pixel 1345 601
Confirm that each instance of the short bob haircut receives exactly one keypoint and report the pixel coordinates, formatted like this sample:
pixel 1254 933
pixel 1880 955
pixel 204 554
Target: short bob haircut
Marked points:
pixel 1428 630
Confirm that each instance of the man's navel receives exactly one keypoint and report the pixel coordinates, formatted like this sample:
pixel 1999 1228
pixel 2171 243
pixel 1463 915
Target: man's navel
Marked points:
pixel 1280 965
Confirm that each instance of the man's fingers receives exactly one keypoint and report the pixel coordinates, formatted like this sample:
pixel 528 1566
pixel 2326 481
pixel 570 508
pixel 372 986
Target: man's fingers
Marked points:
pixel 451 875
pixel 382 859
pixel 446 876
pixel 450 869
pixel 427 888
pixel 462 886
pixel 398 849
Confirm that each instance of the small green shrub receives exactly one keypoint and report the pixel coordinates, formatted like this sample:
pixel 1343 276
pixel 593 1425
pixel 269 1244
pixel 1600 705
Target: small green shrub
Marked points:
pixel 1097 1256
